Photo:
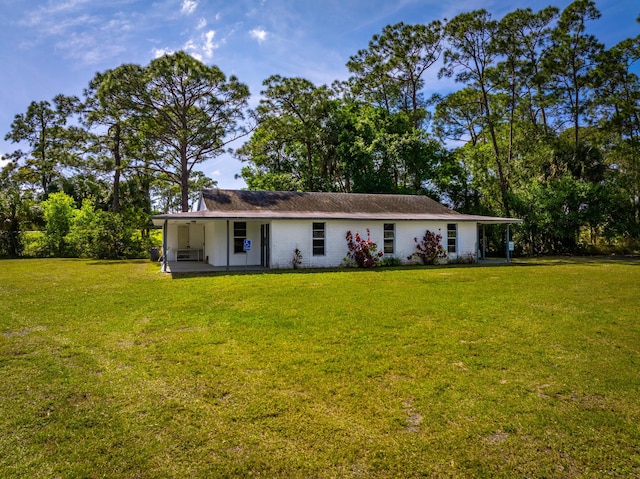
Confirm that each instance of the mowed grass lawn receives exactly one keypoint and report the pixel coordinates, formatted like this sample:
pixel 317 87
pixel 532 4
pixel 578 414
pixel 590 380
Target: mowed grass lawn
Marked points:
pixel 114 370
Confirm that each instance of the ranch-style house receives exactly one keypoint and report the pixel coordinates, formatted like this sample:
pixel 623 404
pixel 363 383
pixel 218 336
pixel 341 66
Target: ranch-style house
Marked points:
pixel 266 229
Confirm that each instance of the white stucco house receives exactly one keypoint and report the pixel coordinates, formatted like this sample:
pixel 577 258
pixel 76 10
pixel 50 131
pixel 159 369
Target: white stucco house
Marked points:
pixel 262 229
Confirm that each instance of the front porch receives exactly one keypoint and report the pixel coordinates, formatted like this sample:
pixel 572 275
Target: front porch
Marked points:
pixel 195 245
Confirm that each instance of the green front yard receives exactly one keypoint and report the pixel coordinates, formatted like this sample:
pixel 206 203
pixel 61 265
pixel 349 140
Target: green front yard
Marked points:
pixel 112 369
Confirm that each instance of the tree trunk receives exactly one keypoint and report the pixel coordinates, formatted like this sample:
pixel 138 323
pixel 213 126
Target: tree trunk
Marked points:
pixel 184 190
pixel 310 165
pixel 115 204
pixel 184 179
pixel 504 188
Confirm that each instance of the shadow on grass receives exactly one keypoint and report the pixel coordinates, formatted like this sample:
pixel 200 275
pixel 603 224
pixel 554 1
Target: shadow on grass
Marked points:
pixel 113 262
pixel 633 260
pixel 344 269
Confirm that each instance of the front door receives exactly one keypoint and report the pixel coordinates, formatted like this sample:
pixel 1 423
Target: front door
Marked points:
pixel 264 246
pixel 482 242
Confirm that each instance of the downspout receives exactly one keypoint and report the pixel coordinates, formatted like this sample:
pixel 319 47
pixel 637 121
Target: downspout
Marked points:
pixel 227 245
pixel 164 246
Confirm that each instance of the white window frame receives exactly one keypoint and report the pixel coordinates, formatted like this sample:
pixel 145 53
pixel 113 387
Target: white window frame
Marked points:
pixel 452 238
pixel 389 238
pixel 238 241
pixel 318 238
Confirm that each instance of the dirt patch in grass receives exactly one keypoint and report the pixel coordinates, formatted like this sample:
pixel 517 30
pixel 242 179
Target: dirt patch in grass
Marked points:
pixel 413 418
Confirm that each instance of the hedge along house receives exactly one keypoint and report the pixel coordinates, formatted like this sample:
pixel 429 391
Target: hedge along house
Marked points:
pixel 264 229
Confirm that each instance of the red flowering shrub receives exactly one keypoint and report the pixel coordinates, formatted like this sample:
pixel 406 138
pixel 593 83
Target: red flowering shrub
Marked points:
pixel 362 252
pixel 429 249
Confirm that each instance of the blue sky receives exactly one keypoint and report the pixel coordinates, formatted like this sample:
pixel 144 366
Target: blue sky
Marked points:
pixel 56 46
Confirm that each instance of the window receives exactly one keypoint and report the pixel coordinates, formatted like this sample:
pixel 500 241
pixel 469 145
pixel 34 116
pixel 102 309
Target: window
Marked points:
pixel 389 238
pixel 239 235
pixel 452 235
pixel 318 239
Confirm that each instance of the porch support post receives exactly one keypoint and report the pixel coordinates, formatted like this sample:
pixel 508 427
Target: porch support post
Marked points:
pixel 484 242
pixel 164 245
pixel 227 245
pixel 508 252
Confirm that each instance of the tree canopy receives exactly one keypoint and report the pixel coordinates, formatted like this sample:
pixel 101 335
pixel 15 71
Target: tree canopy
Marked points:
pixel 542 124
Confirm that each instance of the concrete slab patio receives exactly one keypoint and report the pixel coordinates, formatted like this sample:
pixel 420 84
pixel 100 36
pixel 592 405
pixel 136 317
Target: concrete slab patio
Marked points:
pixel 199 267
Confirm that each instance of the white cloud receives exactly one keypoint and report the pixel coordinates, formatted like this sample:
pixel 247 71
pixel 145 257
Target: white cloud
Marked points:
pixel 192 49
pixel 159 52
pixel 209 46
pixel 202 48
pixel 201 24
pixel 259 34
pixel 117 25
pixel 4 163
pixel 189 6
pixel 78 32
pixel 215 173
pixel 84 46
pixel 61 26
pixel 44 14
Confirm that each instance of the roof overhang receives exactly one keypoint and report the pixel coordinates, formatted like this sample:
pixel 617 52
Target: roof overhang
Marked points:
pixel 204 215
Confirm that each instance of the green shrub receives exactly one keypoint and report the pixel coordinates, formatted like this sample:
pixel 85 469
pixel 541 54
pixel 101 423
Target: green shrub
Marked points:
pixel 35 245
pixel 82 233
pixel 115 238
pixel 103 235
pixel 86 232
pixel 463 259
pixel 58 211
pixel 390 261
pixel 11 244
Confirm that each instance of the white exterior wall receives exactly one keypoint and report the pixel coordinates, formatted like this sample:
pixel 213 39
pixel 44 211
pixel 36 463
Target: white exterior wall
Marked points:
pixel 406 231
pixel 287 235
pixel 468 241
pixel 172 241
pixel 466 238
pixel 210 230
pixel 196 238
pixel 253 256
pixel 216 246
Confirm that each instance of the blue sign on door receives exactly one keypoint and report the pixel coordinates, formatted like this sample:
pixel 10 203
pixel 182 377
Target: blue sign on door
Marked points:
pixel 247 245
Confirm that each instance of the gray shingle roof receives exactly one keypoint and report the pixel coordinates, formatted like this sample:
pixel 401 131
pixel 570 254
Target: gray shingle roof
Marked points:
pixel 301 203
pixel 312 205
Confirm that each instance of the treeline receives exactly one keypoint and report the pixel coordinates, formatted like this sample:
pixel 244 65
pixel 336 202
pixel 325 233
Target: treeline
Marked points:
pixel 133 140
pixel 544 126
